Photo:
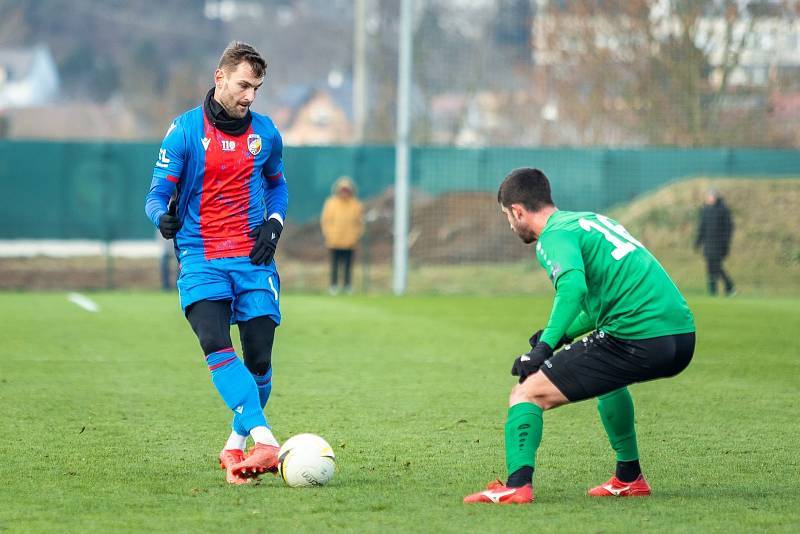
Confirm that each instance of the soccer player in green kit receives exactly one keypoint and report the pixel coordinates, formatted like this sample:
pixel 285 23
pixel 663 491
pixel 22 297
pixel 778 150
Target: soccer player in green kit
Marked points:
pixel 605 283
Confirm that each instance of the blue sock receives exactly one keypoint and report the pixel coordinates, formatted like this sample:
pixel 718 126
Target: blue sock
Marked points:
pixel 264 385
pixel 237 388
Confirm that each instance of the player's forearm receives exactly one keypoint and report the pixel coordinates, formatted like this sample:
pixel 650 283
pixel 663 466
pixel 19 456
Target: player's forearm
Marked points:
pixel 155 204
pixel 582 324
pixel 277 199
pixel 567 305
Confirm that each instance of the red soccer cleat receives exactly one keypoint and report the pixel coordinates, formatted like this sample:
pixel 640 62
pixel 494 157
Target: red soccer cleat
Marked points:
pixel 227 459
pixel 616 488
pixel 261 459
pixel 498 493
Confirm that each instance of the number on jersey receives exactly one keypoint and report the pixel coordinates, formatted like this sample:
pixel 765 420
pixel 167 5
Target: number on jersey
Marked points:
pixel 624 243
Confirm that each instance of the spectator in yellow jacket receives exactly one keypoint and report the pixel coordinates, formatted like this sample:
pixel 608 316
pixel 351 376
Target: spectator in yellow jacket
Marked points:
pixel 342 224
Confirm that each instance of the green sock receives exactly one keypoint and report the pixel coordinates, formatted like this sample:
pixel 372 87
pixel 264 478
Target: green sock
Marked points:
pixel 523 435
pixel 616 412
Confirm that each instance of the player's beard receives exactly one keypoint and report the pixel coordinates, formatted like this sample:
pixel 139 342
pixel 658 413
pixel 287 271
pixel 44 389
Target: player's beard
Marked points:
pixel 527 235
pixel 236 111
pixel 232 107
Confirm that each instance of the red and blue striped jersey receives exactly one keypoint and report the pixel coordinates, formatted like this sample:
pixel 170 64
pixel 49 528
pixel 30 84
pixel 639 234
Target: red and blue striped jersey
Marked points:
pixel 226 184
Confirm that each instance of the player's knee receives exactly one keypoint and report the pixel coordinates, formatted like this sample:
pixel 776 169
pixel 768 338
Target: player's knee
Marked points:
pixel 258 362
pixel 212 341
pixel 210 321
pixel 531 391
pixel 517 395
pixel 257 337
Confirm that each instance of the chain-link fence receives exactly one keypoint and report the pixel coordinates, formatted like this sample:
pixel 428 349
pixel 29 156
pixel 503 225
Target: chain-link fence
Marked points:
pixel 634 108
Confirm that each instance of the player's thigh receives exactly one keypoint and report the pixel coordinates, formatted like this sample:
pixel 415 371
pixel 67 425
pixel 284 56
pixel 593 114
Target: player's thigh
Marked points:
pixel 206 280
pixel 598 363
pixel 257 291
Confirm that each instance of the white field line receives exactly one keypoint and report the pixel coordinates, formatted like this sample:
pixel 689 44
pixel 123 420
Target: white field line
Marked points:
pixel 84 302
pixel 26 248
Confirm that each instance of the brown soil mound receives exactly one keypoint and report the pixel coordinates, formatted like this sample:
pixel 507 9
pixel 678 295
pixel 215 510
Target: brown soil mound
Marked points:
pixel 451 228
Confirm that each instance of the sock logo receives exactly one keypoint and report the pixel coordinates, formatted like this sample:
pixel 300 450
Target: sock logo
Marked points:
pixel 523 435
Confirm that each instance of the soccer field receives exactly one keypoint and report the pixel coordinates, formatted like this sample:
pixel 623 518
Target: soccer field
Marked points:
pixel 111 423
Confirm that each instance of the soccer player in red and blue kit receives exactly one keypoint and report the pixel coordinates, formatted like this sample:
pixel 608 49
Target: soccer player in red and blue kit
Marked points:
pixel 223 166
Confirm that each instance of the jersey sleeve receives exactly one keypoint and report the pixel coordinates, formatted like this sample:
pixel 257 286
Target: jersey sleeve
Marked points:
pixel 276 190
pixel 560 255
pixel 571 291
pixel 166 172
pixel 583 323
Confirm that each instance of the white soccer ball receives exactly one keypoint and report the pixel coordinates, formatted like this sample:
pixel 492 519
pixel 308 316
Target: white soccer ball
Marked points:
pixel 306 460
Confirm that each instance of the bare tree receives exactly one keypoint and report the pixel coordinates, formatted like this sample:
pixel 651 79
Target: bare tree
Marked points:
pixel 659 72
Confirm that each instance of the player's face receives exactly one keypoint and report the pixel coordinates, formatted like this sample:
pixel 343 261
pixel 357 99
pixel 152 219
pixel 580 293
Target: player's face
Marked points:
pixel 517 222
pixel 236 90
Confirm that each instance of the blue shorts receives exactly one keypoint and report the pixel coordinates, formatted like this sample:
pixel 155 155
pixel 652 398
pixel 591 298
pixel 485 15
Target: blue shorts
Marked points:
pixel 252 289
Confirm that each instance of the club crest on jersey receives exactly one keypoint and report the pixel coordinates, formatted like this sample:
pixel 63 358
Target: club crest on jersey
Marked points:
pixel 254 144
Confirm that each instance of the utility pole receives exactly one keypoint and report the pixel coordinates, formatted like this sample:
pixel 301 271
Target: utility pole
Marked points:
pixel 401 188
pixel 359 72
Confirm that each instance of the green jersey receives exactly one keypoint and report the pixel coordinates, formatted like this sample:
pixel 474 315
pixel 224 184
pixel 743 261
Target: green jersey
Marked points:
pixel 606 280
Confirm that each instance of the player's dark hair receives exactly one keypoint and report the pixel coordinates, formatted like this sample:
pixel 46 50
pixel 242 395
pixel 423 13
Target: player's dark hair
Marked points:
pixel 237 52
pixel 525 186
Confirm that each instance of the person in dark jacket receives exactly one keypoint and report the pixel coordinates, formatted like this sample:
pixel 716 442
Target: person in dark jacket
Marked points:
pixel 714 236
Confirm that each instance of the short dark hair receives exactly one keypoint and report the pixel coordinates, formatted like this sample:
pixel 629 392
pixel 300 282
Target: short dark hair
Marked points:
pixel 525 186
pixel 237 52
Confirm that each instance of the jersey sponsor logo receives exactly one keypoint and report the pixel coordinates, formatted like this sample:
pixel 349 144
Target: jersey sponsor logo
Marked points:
pixel 206 141
pixel 556 270
pixel 254 144
pixel 163 160
pixel 228 145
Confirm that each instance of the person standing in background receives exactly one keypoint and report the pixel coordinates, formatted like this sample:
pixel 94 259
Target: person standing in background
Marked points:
pixel 714 236
pixel 342 225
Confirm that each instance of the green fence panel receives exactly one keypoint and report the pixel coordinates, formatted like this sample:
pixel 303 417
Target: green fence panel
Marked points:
pixel 95 190
pixel 755 162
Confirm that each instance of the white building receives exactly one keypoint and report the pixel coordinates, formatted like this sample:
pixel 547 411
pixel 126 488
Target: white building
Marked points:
pixel 28 77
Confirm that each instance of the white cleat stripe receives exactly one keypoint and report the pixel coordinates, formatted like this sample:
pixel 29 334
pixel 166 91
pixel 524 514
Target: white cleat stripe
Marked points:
pixel 495 496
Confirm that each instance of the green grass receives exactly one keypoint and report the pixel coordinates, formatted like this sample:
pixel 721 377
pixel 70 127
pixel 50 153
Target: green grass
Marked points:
pixel 110 422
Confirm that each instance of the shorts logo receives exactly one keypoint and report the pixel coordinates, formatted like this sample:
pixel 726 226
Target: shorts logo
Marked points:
pixel 254 144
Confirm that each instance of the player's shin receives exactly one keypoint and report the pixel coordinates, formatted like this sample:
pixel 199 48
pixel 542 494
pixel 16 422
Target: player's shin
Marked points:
pixel 264 386
pixel 523 434
pixel 617 415
pixel 236 386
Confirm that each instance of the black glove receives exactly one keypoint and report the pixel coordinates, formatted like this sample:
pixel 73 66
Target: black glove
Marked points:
pixel 266 236
pixel 168 223
pixel 534 340
pixel 529 363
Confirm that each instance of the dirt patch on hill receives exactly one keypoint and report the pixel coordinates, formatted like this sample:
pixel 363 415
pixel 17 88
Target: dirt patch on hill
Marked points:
pixel 451 228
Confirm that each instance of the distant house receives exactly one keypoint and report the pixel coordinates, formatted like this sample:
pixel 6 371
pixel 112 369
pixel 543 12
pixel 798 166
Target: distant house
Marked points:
pixel 315 115
pixel 28 77
pixel 72 120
